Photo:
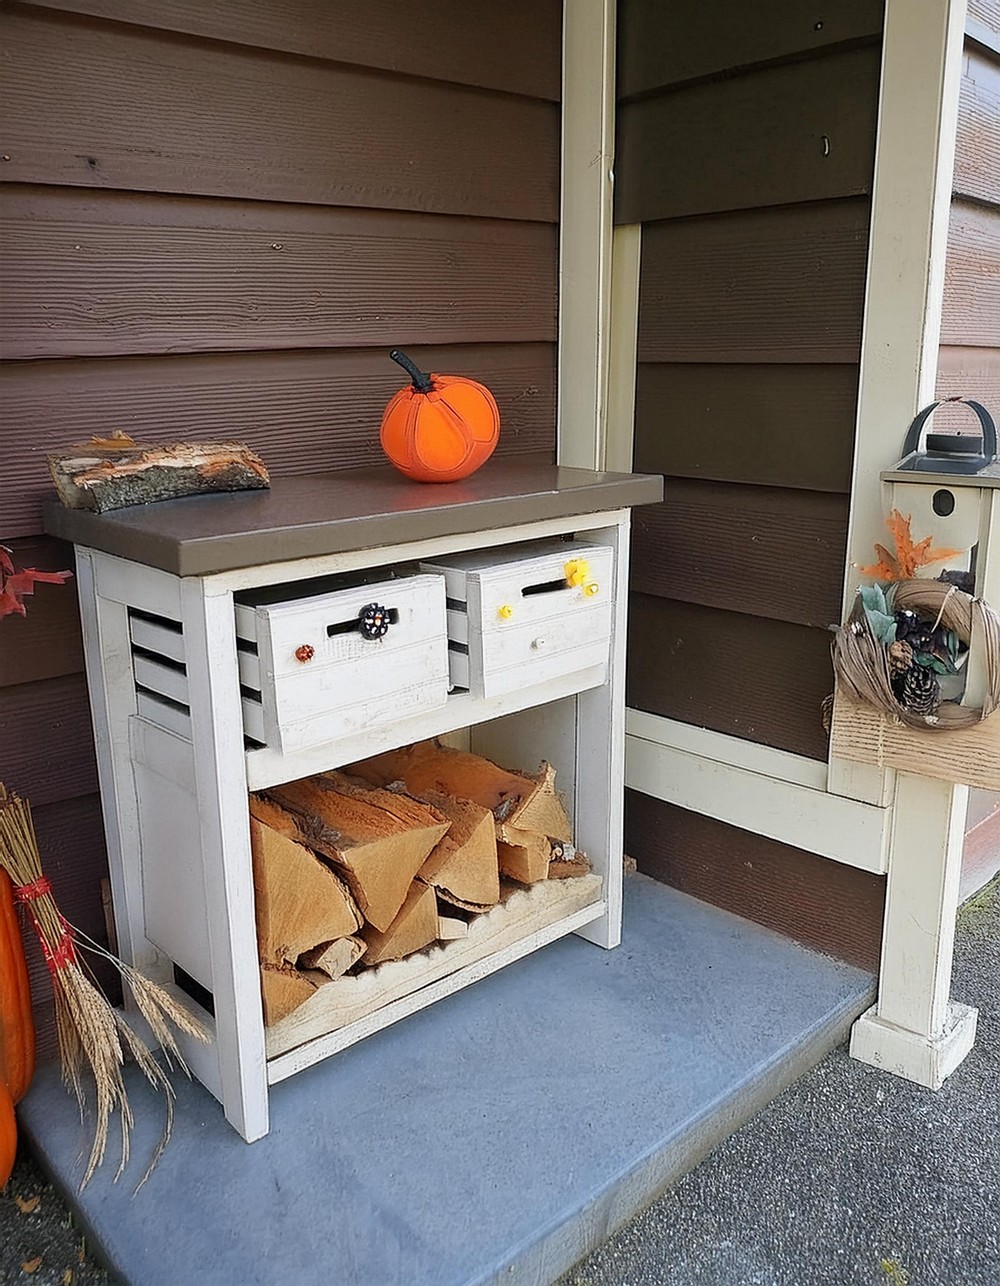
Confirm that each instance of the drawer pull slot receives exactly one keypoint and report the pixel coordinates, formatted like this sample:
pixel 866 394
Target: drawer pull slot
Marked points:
pixel 546 587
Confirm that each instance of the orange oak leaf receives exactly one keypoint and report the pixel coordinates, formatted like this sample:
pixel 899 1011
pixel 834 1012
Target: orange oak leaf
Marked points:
pixel 15 586
pixel 908 556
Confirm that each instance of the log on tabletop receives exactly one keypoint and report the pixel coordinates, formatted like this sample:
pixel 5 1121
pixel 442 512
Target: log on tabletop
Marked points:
pixel 377 839
pixel 110 473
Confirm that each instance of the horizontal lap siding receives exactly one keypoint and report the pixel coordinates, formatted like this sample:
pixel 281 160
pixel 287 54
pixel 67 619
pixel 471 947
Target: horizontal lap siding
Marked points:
pixel 217 220
pixel 746 676
pixel 746 150
pixel 143 110
pixel 778 425
pixel 969 359
pixel 825 905
pixel 436 41
pixel 101 274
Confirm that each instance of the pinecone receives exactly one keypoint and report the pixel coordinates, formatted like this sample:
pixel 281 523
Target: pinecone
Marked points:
pixel 918 690
pixel 900 656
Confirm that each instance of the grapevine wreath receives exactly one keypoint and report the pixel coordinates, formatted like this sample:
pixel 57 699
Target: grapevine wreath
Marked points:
pixel 906 642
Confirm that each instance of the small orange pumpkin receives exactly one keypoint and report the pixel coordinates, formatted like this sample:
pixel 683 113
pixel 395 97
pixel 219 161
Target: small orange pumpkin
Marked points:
pixel 17 1029
pixel 440 428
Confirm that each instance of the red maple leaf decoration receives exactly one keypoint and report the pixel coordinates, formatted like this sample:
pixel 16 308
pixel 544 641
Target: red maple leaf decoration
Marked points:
pixel 15 586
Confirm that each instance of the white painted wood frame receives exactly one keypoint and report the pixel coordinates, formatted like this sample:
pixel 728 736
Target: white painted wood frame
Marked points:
pixel 913 1030
pixel 585 221
pixel 175 780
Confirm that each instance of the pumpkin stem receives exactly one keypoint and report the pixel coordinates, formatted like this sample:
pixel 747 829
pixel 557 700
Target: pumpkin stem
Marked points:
pixel 421 382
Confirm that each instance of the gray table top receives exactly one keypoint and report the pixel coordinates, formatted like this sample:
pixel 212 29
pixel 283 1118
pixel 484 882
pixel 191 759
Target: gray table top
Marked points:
pixel 305 515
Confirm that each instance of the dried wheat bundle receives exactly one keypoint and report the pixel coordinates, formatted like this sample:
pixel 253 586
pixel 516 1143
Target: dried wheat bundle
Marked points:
pixel 92 1033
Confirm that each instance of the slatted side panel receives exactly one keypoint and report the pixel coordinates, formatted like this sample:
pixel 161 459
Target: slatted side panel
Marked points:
pixel 218 217
pixel 746 151
pixel 969 360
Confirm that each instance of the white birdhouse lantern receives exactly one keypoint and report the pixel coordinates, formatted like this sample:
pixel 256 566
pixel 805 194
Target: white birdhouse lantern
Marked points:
pixel 950 486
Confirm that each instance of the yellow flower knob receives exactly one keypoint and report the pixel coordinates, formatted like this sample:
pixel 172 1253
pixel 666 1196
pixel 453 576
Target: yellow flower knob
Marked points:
pixel 591 588
pixel 505 612
pixel 577 571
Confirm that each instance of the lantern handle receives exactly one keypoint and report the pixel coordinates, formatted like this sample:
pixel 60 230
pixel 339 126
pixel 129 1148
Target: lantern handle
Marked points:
pixel 915 431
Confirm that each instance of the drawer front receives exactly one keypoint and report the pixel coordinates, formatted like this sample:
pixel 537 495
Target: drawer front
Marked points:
pixel 322 677
pixel 526 620
pixel 535 651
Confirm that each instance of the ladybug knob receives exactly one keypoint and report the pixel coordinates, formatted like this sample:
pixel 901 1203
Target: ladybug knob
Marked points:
pixel 305 653
pixel 373 621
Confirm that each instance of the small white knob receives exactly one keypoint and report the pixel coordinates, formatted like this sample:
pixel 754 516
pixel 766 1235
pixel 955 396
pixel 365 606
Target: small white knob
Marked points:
pixel 538 644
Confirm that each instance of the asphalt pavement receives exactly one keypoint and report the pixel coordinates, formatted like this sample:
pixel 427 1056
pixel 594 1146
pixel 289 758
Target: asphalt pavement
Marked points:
pixel 849 1178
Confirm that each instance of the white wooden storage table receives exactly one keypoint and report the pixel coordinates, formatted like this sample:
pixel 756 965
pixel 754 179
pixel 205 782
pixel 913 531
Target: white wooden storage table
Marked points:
pixel 189 717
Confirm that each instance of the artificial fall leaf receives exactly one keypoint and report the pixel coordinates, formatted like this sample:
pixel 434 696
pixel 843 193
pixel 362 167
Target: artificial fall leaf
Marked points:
pixel 32 1265
pixel 15 586
pixel 27 1204
pixel 908 557
pixel 117 439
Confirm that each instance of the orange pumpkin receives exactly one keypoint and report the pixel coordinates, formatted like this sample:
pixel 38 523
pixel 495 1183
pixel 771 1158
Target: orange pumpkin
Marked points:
pixel 441 427
pixel 17 1030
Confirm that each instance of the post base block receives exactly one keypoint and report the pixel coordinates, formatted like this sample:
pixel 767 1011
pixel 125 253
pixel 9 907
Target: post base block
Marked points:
pixel 924 1059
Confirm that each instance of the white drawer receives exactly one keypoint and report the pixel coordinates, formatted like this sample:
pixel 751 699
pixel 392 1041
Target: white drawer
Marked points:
pixel 312 673
pixel 523 614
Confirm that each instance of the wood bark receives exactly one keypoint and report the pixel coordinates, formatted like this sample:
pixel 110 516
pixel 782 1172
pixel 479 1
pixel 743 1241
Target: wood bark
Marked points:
pixel 110 473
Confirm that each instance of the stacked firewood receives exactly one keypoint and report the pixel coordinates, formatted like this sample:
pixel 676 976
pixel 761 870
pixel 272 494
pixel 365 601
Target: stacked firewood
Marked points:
pixel 391 855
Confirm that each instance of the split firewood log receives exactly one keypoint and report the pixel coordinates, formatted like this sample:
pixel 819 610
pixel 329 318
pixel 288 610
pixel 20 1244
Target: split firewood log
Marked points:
pixel 378 839
pixel 300 902
pixel 415 927
pixel 334 958
pixel 112 472
pixel 527 811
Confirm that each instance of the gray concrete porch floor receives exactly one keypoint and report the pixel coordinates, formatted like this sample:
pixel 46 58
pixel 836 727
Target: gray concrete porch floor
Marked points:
pixel 497 1136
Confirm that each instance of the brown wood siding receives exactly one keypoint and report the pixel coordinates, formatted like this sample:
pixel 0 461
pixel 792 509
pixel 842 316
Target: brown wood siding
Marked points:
pixel 218 219
pixel 825 905
pixel 977 145
pixel 438 42
pixel 145 110
pixel 105 274
pixel 967 372
pixel 763 551
pixel 46 739
pixel 798 122
pixel 746 148
pixel 45 643
pixel 762 680
pixel 778 285
pixel 780 426
pixel 665 44
pixel 972 277
pixel 303 410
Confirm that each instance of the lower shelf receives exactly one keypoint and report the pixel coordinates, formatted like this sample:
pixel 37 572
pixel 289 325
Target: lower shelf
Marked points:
pixel 347 1010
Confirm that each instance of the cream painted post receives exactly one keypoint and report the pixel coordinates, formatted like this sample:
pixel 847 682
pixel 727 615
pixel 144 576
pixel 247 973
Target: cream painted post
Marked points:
pixel 911 204
pixel 913 1030
pixel 588 137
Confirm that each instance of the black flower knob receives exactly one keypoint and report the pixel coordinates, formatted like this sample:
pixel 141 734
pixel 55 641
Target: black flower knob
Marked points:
pixel 373 621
